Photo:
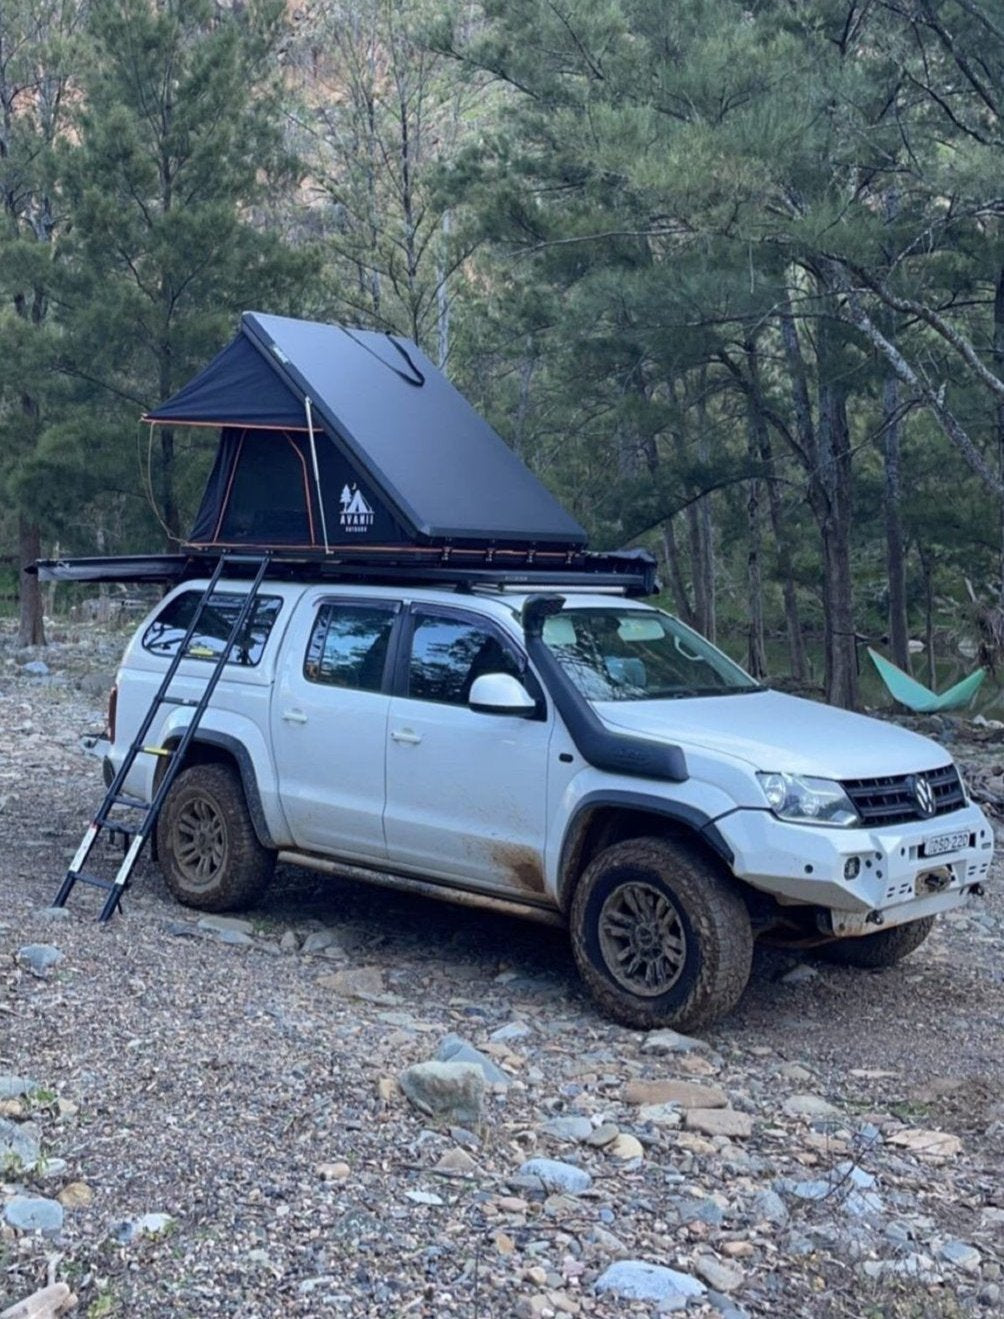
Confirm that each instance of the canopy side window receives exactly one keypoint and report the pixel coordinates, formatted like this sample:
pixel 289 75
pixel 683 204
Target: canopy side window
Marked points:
pixel 167 631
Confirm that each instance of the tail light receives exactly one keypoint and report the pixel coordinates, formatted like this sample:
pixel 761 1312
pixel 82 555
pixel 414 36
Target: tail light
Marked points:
pixel 113 701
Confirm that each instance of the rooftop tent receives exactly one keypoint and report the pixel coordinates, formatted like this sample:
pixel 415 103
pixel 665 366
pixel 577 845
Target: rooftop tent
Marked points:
pixel 333 437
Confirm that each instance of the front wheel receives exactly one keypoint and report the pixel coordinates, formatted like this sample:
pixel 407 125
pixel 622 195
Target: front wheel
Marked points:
pixel 206 843
pixel 883 948
pixel 661 935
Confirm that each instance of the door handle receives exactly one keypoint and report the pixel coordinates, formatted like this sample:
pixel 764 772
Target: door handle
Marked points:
pixel 406 735
pixel 294 716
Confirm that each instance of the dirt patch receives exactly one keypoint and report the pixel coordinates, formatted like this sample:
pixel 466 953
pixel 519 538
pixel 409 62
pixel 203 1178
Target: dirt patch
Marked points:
pixel 522 866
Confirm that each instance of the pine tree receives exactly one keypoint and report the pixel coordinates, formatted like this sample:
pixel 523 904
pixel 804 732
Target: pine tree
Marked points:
pixel 40 52
pixel 180 144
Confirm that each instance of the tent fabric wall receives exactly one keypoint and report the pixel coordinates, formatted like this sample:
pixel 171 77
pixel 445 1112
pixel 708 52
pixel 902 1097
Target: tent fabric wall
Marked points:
pixel 236 386
pixel 261 491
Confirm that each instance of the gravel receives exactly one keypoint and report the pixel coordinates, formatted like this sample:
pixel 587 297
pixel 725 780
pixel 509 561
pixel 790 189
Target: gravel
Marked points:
pixel 221 1126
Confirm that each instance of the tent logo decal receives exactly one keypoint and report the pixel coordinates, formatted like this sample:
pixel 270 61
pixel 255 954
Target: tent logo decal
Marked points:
pixel 356 513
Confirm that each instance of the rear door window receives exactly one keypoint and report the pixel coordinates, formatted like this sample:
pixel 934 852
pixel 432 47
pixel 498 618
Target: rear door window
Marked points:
pixel 349 644
pixel 167 631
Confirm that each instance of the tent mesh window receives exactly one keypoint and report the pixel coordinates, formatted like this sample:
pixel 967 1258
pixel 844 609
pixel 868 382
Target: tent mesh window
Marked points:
pixel 268 498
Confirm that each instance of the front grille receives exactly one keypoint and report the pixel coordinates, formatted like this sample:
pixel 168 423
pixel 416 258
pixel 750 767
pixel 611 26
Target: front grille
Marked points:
pixel 892 800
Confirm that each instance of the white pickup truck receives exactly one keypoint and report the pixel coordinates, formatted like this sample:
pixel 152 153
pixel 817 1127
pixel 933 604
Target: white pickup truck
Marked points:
pixel 577 757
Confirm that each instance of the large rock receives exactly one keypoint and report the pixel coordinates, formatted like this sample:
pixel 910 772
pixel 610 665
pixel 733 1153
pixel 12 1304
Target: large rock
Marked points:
pixel 810 1106
pixel 670 1041
pixel 453 1049
pixel 687 1094
pixel 571 1127
pixel 34 1213
pixel 768 1207
pixel 624 1146
pixel 19 1145
pixel 14 1087
pixel 722 1275
pixel 637 1281
pixel 962 1255
pixel 557 1176
pixel 147 1225
pixel 932 1146
pixel 449 1092
pixel 318 940
pixel 720 1122
pixel 512 1030
pixel 219 924
pixel 39 957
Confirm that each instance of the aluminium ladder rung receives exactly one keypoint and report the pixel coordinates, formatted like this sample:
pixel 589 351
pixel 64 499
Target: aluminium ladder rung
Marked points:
pixel 95 881
pixel 120 826
pixel 123 799
pixel 173 757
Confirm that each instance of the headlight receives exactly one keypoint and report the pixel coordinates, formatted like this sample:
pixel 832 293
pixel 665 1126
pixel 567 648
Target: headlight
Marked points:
pixel 808 801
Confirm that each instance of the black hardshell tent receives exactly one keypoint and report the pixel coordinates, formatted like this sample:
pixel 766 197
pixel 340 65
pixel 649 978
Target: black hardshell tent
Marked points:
pixel 334 438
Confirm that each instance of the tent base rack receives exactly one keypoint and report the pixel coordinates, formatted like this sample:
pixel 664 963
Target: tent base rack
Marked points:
pixel 630 571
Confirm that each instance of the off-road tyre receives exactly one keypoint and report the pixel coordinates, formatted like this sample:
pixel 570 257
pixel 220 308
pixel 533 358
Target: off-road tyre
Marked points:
pixel 695 917
pixel 883 948
pixel 206 844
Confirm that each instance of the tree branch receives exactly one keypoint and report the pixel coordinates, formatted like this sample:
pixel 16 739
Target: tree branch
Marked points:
pixel 933 399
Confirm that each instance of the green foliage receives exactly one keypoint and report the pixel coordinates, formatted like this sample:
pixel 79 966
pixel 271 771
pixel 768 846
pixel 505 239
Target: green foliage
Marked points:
pixel 676 252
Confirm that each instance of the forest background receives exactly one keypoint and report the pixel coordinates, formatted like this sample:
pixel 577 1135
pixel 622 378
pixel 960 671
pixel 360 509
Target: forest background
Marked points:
pixel 728 276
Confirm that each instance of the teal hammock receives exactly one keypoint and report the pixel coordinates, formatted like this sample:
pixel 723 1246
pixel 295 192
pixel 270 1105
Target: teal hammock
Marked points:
pixel 915 696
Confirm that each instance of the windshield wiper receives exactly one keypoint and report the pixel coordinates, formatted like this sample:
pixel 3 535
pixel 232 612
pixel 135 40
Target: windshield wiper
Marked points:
pixel 675 693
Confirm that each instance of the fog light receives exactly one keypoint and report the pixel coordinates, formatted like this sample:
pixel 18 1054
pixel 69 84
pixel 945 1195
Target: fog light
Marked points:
pixel 852 867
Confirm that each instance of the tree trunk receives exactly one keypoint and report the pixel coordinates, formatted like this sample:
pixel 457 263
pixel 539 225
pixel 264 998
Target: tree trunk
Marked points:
pixel 838 595
pixel 705 564
pixel 678 586
pixel 700 532
pixel 895 560
pixel 756 654
pixel 782 540
pixel 31 631
pixel 526 370
pixel 443 298
pixel 825 453
pixel 999 368
pixel 841 673
pixel 927 570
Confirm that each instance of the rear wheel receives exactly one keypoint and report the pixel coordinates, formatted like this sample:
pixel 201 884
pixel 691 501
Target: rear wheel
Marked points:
pixel 883 948
pixel 661 936
pixel 206 843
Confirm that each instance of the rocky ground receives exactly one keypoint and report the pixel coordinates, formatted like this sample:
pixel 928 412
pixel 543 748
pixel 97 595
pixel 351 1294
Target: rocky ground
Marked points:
pixel 202 1118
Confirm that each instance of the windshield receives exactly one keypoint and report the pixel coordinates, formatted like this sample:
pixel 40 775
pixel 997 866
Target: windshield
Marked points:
pixel 639 655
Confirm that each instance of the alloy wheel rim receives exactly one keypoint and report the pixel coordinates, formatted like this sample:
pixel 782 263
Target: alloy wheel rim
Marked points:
pixel 642 939
pixel 200 841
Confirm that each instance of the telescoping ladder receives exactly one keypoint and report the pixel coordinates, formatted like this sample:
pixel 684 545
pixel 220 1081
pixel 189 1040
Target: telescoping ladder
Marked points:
pixel 126 815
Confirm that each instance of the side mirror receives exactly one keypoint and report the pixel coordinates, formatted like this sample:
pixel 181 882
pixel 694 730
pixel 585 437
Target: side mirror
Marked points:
pixel 501 693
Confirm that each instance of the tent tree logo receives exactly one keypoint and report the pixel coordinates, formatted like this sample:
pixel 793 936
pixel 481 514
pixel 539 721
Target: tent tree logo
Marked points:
pixel 356 513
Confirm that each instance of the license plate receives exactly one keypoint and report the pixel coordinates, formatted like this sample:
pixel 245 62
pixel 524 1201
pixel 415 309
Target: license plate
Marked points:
pixel 946 843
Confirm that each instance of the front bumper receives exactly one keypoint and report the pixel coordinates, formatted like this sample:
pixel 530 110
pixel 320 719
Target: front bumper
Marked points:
pixel 896 881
